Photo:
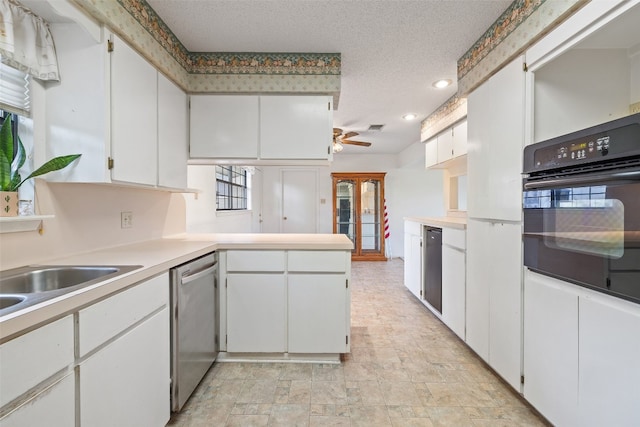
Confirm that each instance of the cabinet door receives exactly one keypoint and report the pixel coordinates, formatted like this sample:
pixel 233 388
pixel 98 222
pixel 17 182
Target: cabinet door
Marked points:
pixel 445 145
pixel 172 134
pixel 256 313
pixel 479 264
pixel 295 127
pixel 134 116
pixel 505 300
pixel 224 126
pixel 551 348
pixel 453 289
pixel 431 152
pixel 413 264
pixel 55 404
pixel 609 351
pixel 127 382
pixel 495 117
pixel 460 139
pixel 77 107
pixel 315 325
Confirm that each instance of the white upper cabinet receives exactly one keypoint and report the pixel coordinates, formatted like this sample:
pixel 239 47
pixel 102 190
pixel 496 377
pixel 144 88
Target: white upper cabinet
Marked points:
pixel 261 127
pixel 173 136
pixel 446 146
pixel 112 108
pixel 495 117
pixel 134 116
pixel 295 127
pixel 224 126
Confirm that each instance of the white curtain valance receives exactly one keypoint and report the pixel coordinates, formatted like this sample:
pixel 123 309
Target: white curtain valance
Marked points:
pixel 26 42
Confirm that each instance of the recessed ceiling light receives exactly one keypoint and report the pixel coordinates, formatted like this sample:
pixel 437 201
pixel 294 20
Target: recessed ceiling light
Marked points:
pixel 410 116
pixel 441 84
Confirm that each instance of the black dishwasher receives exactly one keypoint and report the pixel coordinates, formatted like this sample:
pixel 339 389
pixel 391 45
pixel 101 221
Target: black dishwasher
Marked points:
pixel 433 268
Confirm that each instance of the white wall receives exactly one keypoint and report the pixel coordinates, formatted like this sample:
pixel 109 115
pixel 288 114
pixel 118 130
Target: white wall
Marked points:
pixel 410 189
pixel 87 218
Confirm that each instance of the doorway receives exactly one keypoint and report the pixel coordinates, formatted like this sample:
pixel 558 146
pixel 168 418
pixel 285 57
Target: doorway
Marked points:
pixel 358 208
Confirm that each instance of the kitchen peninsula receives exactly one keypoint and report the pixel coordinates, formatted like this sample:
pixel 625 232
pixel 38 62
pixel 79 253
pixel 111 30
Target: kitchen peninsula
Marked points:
pixel 282 297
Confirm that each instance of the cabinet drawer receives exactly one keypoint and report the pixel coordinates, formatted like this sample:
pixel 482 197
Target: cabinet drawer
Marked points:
pixel 106 319
pixel 454 237
pixel 33 357
pixel 320 261
pixel 255 261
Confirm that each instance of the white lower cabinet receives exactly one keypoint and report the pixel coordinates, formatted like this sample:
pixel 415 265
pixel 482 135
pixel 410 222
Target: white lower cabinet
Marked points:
pixel 126 383
pixel 256 313
pixel 36 377
pixel 55 404
pixel 318 321
pixel 494 294
pixel 413 257
pixel 278 301
pixel 453 289
pixel 551 348
pixel 609 351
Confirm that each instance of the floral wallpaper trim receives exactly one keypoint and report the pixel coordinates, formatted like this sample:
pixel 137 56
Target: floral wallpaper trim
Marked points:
pixel 510 19
pixel 431 125
pixel 226 62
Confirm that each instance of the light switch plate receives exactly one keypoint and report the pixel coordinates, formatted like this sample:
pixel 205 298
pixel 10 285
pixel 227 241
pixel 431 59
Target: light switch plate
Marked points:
pixel 126 219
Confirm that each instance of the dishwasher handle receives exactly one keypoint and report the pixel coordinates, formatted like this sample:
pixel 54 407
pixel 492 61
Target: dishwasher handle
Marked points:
pixel 188 278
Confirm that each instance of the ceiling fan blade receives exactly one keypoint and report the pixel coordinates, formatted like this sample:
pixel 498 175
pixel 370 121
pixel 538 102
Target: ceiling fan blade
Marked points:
pixel 363 144
pixel 349 134
pixel 337 132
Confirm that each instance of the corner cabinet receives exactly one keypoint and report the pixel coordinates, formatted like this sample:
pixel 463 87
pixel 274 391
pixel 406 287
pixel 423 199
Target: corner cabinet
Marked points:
pixel 114 108
pixel 276 127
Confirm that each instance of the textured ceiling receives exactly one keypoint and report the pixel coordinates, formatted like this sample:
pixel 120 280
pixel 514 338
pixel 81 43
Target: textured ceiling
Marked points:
pixel 392 50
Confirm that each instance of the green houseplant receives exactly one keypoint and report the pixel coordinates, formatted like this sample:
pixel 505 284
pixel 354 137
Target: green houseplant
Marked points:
pixel 11 161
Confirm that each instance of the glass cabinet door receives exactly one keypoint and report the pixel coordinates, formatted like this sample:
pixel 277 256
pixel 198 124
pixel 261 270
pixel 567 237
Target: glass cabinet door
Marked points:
pixel 370 206
pixel 345 215
pixel 358 203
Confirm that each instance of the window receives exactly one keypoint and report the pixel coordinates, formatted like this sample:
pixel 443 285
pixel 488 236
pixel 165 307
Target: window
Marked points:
pixel 14 90
pixel 231 188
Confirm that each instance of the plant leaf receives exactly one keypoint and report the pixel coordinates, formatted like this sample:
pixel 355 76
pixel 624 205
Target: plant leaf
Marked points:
pixel 6 154
pixel 17 163
pixel 15 182
pixel 54 164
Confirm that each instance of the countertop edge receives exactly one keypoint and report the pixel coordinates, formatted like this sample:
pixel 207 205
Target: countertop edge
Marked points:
pixel 156 257
pixel 459 223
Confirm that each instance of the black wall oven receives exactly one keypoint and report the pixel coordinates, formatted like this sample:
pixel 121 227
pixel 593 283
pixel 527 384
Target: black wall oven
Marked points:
pixel 581 202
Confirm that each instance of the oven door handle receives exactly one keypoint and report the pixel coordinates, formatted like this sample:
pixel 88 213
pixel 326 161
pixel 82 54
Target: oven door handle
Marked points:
pixel 618 177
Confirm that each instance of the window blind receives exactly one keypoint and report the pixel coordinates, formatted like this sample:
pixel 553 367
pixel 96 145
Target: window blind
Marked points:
pixel 14 90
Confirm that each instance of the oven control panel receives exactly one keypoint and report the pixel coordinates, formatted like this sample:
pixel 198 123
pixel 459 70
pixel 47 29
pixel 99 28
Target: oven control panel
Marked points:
pixel 587 149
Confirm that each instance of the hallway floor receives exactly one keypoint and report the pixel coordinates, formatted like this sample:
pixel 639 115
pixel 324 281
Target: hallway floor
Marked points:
pixel 405 369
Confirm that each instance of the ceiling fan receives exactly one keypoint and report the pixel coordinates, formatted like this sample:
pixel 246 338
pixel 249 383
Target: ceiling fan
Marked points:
pixel 340 138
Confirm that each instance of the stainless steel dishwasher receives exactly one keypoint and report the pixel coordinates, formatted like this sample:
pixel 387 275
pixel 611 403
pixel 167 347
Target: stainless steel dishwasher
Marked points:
pixel 194 325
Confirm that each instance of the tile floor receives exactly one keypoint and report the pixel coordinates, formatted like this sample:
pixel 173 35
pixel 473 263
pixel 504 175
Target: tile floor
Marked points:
pixel 405 369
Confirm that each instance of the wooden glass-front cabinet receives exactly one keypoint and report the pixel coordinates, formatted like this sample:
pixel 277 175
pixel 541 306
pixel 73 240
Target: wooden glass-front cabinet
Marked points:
pixel 358 212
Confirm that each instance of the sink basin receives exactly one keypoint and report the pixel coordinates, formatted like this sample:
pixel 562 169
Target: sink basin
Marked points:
pixel 25 286
pixel 7 301
pixel 45 279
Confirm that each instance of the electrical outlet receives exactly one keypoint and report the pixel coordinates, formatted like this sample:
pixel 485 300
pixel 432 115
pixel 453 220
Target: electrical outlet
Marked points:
pixel 126 219
pixel 634 108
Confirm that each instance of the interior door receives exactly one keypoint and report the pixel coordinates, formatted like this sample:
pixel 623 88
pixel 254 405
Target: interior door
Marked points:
pixel 299 197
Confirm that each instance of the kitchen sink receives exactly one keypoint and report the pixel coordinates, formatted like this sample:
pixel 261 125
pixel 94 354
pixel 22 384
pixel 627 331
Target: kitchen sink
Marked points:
pixel 7 301
pixel 26 286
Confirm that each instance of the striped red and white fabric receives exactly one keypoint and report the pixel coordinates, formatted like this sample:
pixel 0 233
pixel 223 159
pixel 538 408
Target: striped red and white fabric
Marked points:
pixel 386 221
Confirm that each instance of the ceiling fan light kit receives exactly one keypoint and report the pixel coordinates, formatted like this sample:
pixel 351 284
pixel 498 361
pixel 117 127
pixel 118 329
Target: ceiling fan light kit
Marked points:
pixel 340 139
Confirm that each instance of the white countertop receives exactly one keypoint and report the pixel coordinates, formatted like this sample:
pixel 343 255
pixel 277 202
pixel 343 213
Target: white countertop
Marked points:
pixel 447 222
pixel 155 257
